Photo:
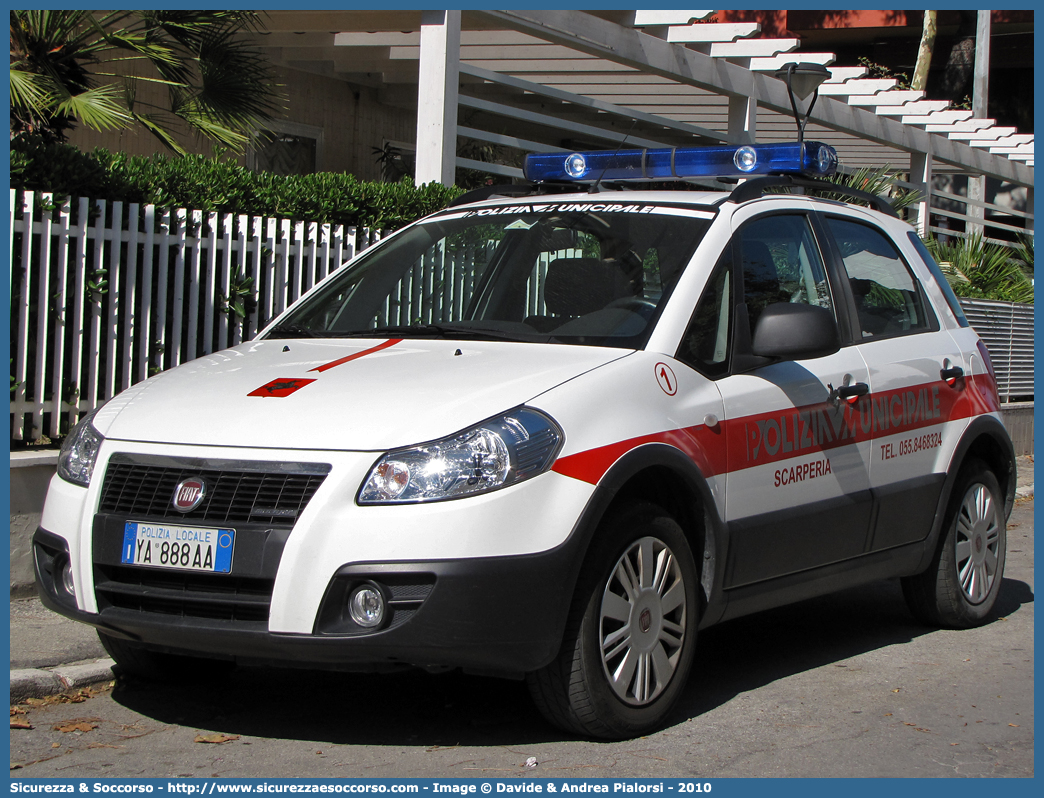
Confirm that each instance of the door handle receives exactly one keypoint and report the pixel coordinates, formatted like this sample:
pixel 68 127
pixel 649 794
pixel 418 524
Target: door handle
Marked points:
pixel 851 392
pixel 952 374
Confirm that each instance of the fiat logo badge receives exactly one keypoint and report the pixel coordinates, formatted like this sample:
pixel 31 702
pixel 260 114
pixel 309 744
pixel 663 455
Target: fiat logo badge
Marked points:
pixel 188 494
pixel 645 621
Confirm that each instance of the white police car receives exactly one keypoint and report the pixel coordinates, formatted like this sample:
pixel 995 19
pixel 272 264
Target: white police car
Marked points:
pixel 553 435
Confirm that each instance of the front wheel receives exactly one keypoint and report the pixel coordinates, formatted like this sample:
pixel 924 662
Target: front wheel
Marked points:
pixel 631 632
pixel 961 585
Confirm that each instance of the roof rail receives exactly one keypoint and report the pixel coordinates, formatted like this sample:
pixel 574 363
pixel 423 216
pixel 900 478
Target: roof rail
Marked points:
pixel 485 192
pixel 755 187
pixel 518 190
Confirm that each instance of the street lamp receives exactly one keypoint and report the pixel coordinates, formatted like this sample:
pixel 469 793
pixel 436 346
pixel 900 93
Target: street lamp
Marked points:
pixel 802 79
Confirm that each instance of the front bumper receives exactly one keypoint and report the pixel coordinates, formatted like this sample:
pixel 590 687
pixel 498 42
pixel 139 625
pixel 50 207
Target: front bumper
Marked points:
pixel 496 615
pixel 482 583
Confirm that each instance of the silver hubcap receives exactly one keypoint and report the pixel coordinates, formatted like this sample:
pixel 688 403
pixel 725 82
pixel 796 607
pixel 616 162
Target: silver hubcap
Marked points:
pixel 642 621
pixel 978 543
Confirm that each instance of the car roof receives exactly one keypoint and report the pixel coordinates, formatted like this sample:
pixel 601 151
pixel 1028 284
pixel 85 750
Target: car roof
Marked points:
pixel 705 199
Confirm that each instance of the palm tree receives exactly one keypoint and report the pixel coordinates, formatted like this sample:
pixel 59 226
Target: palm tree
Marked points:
pixel 218 84
pixel 881 181
pixel 981 270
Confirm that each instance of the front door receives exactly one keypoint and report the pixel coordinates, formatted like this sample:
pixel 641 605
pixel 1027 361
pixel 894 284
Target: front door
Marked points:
pixel 798 491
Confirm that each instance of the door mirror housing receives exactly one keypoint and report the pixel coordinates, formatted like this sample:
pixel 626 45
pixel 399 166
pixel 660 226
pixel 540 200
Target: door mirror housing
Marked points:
pixel 795 331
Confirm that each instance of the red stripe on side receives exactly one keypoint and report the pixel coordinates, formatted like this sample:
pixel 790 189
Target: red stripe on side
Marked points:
pixel 742 443
pixel 704 446
pixel 357 355
pixel 980 396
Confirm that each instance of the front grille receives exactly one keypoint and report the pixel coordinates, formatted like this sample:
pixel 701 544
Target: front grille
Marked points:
pixel 260 500
pixel 183 593
pixel 274 496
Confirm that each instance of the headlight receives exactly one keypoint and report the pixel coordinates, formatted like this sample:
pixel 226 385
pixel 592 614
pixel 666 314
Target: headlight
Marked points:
pixel 79 451
pixel 496 453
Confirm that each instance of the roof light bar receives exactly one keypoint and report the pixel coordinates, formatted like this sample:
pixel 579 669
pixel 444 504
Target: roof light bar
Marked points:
pixel 810 158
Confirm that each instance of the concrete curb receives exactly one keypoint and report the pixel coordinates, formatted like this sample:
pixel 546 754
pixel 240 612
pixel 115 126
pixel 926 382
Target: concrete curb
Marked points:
pixel 40 683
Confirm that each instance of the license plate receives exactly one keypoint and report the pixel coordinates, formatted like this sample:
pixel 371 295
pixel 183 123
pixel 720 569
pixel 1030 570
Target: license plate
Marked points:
pixel 185 548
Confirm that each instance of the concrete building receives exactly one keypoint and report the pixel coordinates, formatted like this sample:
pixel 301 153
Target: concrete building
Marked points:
pixel 369 92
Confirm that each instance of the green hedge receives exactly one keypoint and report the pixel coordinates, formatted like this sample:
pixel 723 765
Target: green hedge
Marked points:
pixel 209 184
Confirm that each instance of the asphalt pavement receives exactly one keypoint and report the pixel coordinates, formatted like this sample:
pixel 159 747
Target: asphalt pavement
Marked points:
pixel 51 654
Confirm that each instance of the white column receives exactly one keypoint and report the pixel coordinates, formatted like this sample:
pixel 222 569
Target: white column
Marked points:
pixel 980 101
pixel 921 174
pixel 437 97
pixel 743 120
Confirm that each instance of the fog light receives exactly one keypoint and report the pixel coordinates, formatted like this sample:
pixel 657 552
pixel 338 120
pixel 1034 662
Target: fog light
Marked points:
pixel 67 579
pixel 366 606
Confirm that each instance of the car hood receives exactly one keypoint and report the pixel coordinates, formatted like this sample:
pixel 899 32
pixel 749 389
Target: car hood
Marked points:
pixel 359 394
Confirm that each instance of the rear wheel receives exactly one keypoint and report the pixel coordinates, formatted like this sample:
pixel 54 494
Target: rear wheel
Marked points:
pixel 631 633
pixel 960 587
pixel 143 663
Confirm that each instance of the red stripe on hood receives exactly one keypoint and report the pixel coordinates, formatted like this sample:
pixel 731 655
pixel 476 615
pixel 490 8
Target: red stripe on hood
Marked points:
pixel 357 355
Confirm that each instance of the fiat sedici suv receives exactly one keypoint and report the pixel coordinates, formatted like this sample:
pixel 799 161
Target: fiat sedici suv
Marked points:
pixel 553 435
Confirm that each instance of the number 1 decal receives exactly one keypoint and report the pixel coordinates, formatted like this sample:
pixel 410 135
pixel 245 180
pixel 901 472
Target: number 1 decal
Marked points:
pixel 666 379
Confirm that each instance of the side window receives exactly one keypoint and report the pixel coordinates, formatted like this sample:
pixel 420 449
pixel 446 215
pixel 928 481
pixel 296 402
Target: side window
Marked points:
pixel 705 346
pixel 781 263
pixel 940 279
pixel 886 296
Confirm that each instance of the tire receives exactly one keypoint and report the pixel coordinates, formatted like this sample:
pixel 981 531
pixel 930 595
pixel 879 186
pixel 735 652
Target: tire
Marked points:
pixel 652 631
pixel 143 663
pixel 960 587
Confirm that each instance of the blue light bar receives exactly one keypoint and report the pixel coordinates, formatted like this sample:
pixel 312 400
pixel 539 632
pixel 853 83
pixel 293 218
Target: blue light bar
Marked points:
pixel 810 158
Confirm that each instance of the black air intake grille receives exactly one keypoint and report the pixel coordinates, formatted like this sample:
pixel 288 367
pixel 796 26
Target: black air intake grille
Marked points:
pixel 184 594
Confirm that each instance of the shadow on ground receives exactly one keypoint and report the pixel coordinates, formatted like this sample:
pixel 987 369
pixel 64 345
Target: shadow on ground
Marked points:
pixel 413 707
pixel 751 652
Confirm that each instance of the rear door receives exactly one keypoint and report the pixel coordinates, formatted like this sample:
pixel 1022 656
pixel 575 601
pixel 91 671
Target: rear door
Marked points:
pixel 916 379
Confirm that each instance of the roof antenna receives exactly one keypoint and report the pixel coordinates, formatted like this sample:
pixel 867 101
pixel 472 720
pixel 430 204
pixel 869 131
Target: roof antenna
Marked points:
pixel 598 182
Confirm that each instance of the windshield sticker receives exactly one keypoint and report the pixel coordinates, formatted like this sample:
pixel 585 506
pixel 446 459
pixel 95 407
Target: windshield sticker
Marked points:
pixel 587 207
pixel 564 207
pixel 518 224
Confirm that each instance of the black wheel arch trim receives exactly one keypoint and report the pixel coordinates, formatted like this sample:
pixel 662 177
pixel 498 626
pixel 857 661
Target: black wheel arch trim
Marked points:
pixel 981 427
pixel 701 515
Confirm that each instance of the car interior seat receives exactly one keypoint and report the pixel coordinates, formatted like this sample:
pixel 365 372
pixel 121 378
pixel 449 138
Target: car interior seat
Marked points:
pixel 574 287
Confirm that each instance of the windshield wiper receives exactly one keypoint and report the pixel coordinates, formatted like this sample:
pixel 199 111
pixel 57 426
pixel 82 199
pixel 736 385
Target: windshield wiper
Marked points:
pixel 449 331
pixel 294 331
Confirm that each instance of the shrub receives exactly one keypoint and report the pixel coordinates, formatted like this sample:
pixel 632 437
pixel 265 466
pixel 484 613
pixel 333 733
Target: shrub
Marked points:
pixel 49 166
pixel 213 184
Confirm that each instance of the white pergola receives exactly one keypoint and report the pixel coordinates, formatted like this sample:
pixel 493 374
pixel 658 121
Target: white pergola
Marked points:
pixel 547 80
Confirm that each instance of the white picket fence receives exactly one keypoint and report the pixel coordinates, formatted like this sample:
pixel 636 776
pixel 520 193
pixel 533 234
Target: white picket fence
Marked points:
pixel 76 341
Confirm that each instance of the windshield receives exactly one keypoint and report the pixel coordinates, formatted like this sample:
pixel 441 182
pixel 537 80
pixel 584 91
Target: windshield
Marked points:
pixel 560 273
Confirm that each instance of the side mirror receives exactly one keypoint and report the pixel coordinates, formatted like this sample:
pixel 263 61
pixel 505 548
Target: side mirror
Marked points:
pixel 794 331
